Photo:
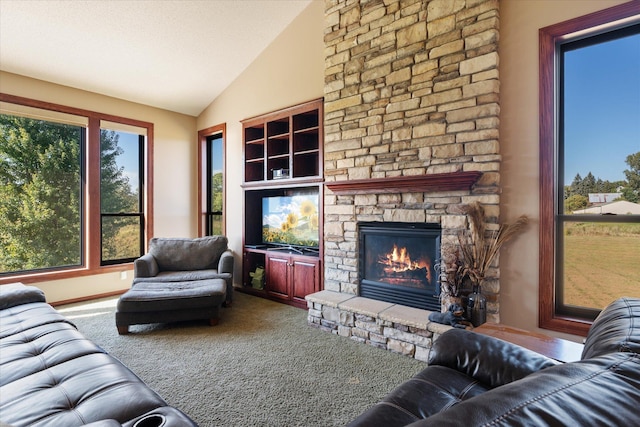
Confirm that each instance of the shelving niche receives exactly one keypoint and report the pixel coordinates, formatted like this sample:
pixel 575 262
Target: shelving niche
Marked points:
pixel 283 155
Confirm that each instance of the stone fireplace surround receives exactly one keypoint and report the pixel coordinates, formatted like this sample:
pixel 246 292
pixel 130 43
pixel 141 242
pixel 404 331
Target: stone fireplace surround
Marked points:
pixel 394 327
pixel 411 107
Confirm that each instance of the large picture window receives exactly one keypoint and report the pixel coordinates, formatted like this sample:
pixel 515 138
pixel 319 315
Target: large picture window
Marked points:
pixel 74 197
pixel 41 199
pixel 590 166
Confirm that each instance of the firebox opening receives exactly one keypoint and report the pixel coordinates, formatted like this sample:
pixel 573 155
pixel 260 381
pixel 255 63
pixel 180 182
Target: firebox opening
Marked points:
pixel 399 263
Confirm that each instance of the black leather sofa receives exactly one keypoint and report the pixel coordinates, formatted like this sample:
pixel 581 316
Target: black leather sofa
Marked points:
pixel 477 380
pixel 51 375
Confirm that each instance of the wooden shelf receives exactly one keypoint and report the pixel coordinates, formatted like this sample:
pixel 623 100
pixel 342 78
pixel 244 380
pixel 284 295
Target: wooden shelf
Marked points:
pixel 429 183
pixel 286 139
pixel 312 129
pixel 303 153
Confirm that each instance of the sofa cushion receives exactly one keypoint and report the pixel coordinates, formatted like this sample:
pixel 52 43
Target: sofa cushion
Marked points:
pixel 16 320
pixel 40 347
pixel 603 391
pixel 169 296
pixel 617 328
pixel 82 390
pixel 179 254
pixel 432 390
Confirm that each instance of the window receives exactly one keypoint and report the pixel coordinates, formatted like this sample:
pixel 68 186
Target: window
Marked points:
pixel 73 198
pixel 121 190
pixel 590 166
pixel 41 190
pixel 212 183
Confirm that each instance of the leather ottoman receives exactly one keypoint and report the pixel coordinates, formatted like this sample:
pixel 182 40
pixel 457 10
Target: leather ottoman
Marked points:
pixel 164 302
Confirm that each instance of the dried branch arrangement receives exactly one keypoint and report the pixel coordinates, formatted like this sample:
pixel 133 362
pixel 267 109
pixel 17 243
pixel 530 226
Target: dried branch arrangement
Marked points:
pixel 478 254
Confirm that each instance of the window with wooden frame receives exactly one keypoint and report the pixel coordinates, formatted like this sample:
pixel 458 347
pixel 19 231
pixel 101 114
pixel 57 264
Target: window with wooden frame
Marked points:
pixel 211 171
pixel 589 166
pixel 76 198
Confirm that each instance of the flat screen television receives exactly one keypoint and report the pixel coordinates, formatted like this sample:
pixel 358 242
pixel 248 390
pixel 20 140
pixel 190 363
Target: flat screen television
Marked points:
pixel 290 221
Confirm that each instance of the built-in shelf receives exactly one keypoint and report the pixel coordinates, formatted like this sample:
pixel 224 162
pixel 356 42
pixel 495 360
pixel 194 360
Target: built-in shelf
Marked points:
pixel 283 156
pixel 284 145
pixel 428 183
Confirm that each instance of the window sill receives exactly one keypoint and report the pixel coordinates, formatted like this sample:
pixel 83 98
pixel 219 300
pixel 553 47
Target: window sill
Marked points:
pixel 30 278
pixel 566 324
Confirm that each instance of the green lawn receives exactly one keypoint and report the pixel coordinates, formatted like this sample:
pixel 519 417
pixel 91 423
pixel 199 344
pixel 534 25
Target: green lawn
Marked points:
pixel 602 263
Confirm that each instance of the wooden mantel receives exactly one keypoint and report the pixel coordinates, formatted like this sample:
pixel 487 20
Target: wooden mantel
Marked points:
pixel 429 183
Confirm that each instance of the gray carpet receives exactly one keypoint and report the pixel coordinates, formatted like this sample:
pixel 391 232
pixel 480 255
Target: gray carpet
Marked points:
pixel 261 366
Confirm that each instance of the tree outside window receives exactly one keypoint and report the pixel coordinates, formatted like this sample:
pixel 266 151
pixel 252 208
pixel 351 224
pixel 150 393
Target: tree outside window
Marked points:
pixel 40 194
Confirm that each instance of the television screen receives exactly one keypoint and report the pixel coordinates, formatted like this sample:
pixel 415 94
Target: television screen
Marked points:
pixel 290 220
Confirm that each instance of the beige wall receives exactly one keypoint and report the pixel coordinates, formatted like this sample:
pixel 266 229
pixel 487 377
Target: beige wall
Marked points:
pixel 175 157
pixel 288 72
pixel 518 49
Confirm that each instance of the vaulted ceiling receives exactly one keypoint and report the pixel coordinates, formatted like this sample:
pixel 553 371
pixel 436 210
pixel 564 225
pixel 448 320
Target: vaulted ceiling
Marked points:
pixel 171 54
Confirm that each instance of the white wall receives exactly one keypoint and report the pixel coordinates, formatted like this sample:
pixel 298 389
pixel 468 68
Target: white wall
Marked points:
pixel 520 21
pixel 290 71
pixel 175 158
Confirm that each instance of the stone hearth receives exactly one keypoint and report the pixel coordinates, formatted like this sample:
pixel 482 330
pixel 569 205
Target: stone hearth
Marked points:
pixel 392 327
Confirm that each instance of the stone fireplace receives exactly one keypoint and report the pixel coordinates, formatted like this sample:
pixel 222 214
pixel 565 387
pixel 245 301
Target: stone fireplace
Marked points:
pixel 400 263
pixel 411 122
pixel 411 135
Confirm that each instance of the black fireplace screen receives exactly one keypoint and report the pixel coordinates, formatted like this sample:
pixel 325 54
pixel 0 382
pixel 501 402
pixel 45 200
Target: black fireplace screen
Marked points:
pixel 399 263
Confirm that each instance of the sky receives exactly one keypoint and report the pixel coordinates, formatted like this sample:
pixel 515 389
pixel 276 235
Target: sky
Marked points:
pixel 129 159
pixel 602 108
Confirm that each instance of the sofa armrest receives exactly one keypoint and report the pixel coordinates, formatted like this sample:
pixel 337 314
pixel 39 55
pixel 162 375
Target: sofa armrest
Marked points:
pixel 145 266
pixel 225 265
pixel 615 329
pixel 14 294
pixel 489 360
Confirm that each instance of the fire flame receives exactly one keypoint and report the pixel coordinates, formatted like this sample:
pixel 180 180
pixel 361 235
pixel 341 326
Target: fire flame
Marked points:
pixel 397 267
pixel 399 260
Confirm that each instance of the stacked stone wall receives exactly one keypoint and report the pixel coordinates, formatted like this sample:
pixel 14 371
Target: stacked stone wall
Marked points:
pixel 403 330
pixel 411 88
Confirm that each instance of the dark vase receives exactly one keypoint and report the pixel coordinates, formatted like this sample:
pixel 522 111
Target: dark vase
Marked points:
pixel 476 307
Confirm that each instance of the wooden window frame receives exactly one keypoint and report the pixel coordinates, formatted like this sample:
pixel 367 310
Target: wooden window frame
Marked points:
pixel 550 37
pixel 91 215
pixel 140 214
pixel 203 178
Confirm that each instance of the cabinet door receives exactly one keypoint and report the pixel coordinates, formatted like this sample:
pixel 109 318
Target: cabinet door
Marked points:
pixel 305 277
pixel 278 276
